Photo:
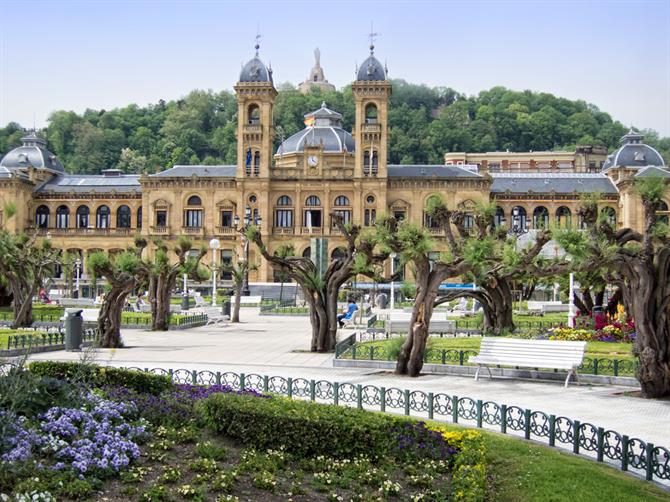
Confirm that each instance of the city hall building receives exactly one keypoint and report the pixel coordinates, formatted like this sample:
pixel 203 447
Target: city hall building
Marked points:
pixel 321 170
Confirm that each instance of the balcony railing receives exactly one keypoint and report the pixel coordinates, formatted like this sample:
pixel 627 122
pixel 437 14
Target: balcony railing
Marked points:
pixel 225 230
pixel 85 231
pixel 163 230
pixel 252 128
pixel 372 128
pixel 312 231
pixel 436 231
pixel 192 230
pixel 283 230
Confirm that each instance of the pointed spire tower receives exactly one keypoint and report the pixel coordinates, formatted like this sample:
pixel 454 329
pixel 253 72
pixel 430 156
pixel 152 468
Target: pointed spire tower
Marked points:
pixel 372 91
pixel 256 95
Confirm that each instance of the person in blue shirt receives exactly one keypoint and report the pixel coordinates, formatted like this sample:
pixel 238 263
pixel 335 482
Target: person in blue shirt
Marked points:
pixel 347 314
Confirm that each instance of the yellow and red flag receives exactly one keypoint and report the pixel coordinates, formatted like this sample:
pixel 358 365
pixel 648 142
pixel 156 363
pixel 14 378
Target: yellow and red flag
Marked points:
pixel 309 121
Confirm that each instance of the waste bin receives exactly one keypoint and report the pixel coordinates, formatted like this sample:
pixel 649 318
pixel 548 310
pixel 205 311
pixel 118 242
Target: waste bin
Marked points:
pixel 382 300
pixel 225 308
pixel 185 302
pixel 74 324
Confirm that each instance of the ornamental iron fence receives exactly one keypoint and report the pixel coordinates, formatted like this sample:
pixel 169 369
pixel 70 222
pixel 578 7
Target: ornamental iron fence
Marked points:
pixel 52 337
pixel 599 443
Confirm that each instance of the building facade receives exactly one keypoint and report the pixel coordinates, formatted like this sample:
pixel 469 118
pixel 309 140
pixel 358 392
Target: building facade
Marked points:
pixel 319 171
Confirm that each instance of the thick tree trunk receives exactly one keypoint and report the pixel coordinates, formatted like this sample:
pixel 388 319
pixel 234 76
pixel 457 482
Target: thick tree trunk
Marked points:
pixel 236 307
pixel 410 359
pixel 23 303
pixel 109 318
pixel 652 327
pixel 502 305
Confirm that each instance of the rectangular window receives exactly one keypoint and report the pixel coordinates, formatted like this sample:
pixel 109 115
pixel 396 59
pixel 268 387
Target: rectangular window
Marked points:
pixel 82 220
pixel 62 220
pixel 102 221
pixel 42 220
pixel 312 218
pixel 193 218
pixel 399 215
pixel 494 167
pixel 161 218
pixel 226 218
pixel 226 261
pixel 284 218
pixel 370 217
pixel 346 215
pixel 429 222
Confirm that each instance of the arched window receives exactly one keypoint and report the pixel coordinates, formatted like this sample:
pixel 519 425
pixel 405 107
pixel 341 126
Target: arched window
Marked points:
pixel 254 114
pixel 342 200
pixel 338 253
pixel 102 217
pixel 499 218
pixel 371 114
pixel 609 214
pixel 563 217
pixel 123 217
pixel 284 217
pixel 139 217
pixel 284 200
pixel 370 163
pixel 257 163
pixel 519 218
pixel 313 200
pixel 82 217
pixel 42 217
pixel 307 253
pixel 662 212
pixel 62 217
pixel 540 217
pixel 194 200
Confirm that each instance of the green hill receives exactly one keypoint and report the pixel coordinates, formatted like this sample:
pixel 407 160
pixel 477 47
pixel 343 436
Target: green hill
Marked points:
pixel 425 122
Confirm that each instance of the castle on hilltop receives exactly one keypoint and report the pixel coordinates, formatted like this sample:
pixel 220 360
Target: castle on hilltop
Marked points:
pixel 321 170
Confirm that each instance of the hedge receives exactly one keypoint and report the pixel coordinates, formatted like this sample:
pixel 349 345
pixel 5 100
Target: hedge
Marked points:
pixel 308 429
pixel 100 376
pixel 302 428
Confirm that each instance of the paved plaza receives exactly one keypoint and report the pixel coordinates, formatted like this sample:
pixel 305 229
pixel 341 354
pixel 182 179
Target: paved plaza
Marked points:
pixel 279 345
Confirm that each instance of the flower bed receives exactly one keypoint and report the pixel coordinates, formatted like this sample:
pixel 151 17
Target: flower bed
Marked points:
pixel 95 438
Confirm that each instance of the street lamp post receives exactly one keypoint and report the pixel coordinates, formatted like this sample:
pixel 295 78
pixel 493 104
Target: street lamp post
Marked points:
pixel 184 295
pixel 392 255
pixel 571 302
pixel 214 244
pixel 247 222
pixel 77 266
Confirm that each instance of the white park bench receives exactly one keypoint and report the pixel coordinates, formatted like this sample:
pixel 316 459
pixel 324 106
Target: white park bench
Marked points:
pixel 550 354
pixel 246 301
pixel 214 316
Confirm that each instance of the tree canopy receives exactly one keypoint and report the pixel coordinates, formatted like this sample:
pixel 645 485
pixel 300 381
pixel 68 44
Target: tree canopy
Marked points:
pixel 424 122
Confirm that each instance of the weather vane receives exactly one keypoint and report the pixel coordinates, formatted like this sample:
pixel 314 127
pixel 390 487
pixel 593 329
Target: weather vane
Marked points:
pixel 258 39
pixel 372 37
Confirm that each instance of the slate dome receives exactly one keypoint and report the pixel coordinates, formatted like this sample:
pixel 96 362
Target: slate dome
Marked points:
pixel 634 153
pixel 371 69
pixel 256 71
pixel 32 153
pixel 324 129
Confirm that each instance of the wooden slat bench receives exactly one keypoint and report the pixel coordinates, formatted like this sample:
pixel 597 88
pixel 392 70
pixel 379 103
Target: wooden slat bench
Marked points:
pixel 550 354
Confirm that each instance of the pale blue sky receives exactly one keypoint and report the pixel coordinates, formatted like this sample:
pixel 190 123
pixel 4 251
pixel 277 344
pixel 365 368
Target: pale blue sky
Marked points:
pixel 104 54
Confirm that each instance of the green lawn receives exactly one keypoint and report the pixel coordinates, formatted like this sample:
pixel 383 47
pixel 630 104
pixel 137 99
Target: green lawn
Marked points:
pixel 593 349
pixel 6 333
pixel 520 471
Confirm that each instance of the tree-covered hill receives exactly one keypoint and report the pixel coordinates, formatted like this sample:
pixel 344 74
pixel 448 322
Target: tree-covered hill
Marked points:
pixel 425 122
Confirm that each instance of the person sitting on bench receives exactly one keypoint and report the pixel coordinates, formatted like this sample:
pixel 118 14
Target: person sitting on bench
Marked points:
pixel 347 314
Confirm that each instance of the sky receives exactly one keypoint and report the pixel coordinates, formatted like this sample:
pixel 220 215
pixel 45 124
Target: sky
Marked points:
pixel 74 55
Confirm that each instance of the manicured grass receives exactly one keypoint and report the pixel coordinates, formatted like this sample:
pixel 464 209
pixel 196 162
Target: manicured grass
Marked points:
pixel 593 349
pixel 6 333
pixel 523 471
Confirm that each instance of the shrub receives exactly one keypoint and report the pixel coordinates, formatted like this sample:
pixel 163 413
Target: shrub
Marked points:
pixel 302 428
pixel 100 376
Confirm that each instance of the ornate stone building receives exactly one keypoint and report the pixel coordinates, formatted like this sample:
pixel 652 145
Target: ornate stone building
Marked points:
pixel 318 171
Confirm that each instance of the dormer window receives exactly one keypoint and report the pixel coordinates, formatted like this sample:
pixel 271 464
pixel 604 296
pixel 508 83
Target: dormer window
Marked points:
pixel 639 157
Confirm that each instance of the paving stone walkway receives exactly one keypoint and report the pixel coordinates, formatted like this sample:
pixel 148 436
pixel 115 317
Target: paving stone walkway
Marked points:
pixel 274 345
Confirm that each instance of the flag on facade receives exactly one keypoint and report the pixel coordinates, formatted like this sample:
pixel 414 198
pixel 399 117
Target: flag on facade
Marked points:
pixel 249 157
pixel 309 121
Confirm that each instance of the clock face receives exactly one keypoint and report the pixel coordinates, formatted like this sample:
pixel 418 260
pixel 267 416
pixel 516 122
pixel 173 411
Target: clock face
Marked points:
pixel 312 160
